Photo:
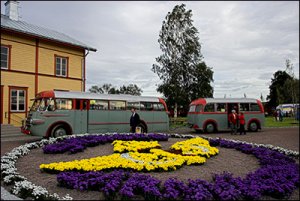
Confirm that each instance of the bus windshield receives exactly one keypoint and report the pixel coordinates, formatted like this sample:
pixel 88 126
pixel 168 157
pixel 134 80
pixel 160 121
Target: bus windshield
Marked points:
pixel 42 104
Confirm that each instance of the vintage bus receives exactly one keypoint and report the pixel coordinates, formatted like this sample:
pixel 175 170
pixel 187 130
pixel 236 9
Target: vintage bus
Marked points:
pixel 58 113
pixel 211 114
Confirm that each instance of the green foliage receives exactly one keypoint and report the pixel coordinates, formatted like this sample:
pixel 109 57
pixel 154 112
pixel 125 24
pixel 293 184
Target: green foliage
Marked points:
pixel 284 87
pixel 278 93
pixel 109 89
pixel 184 75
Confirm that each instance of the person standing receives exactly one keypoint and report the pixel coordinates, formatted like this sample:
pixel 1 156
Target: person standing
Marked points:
pixel 242 123
pixel 134 120
pixel 233 122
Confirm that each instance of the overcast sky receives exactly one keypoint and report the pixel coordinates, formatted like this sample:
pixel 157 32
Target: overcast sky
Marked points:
pixel 244 42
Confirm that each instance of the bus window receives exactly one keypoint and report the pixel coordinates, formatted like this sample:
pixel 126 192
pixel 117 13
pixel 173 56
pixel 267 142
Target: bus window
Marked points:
pixel 51 106
pixel 220 107
pixel 64 104
pixel 254 107
pixel 35 105
pixel 192 108
pixel 84 104
pixel 199 108
pixel 133 105
pixel 210 107
pixel 98 105
pixel 117 105
pixel 244 106
pixel 158 107
pixel 146 106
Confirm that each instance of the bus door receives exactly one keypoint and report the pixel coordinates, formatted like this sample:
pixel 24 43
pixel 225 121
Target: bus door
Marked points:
pixel 230 107
pixel 81 116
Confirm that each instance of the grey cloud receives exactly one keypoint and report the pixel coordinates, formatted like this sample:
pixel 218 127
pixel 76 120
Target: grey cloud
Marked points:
pixel 244 42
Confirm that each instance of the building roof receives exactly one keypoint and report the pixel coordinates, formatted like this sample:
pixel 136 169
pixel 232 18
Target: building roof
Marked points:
pixel 37 31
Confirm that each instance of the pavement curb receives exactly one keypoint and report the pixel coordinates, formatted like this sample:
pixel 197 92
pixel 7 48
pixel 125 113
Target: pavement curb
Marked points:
pixel 5 195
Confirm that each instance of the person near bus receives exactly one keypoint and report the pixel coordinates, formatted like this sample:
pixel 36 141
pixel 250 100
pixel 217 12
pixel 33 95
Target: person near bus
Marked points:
pixel 233 118
pixel 242 123
pixel 134 120
pixel 275 115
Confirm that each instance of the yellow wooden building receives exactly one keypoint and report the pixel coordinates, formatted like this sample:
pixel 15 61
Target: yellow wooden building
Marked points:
pixel 35 59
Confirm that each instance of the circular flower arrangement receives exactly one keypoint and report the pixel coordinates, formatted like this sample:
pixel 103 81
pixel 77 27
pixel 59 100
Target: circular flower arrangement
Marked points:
pixel 278 175
pixel 129 157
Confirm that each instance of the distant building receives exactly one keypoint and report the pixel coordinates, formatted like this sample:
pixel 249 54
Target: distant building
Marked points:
pixel 35 59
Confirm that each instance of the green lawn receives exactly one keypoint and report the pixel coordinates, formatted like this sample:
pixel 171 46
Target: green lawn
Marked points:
pixel 270 122
pixel 287 122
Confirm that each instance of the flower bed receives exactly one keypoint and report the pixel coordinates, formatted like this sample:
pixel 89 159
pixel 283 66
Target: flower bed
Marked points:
pixel 154 160
pixel 277 176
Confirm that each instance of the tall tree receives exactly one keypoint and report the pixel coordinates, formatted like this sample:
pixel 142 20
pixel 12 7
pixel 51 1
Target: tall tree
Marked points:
pixel 278 91
pixel 109 89
pixel 292 85
pixel 132 89
pixel 184 75
pixel 96 89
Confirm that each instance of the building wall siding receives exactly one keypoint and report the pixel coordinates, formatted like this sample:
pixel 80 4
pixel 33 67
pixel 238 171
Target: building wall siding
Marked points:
pixel 24 53
pixel 51 83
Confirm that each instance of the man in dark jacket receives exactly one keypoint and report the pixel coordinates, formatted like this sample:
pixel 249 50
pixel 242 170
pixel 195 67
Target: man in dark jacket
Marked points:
pixel 134 120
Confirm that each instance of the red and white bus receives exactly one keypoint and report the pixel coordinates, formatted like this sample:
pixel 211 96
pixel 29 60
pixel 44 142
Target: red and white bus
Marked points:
pixel 58 113
pixel 211 114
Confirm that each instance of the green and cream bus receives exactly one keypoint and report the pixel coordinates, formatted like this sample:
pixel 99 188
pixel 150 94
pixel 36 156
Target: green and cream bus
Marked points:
pixel 211 114
pixel 58 113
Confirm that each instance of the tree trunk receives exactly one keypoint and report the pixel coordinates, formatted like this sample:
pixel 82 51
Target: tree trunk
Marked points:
pixel 175 111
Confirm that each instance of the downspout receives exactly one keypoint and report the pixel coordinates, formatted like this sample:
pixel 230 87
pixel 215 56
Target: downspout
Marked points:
pixel 84 69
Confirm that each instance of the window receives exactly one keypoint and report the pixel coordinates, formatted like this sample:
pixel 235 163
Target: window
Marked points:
pixel 133 105
pixel 117 105
pixel 45 104
pixel 244 106
pixel 210 107
pixel 4 57
pixel 64 104
pixel 220 107
pixel 254 107
pixel 61 65
pixel 158 107
pixel 17 100
pixel 199 108
pixel 98 105
pixel 146 106
pixel 192 108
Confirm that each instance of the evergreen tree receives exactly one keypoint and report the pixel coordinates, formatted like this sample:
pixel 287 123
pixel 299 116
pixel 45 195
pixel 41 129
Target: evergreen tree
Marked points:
pixel 184 75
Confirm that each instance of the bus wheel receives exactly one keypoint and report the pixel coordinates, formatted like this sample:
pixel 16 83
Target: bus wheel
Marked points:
pixel 210 128
pixel 58 131
pixel 253 127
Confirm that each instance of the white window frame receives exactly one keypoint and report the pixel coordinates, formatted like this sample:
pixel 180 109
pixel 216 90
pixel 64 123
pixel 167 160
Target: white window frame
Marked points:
pixel 18 100
pixel 61 66
pixel 7 57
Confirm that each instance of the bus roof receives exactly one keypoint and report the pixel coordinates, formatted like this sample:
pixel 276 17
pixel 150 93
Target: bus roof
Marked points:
pixel 204 101
pixel 89 95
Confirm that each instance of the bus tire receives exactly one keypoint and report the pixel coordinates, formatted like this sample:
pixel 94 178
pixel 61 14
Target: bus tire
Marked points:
pixel 143 128
pixel 253 126
pixel 58 131
pixel 210 127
